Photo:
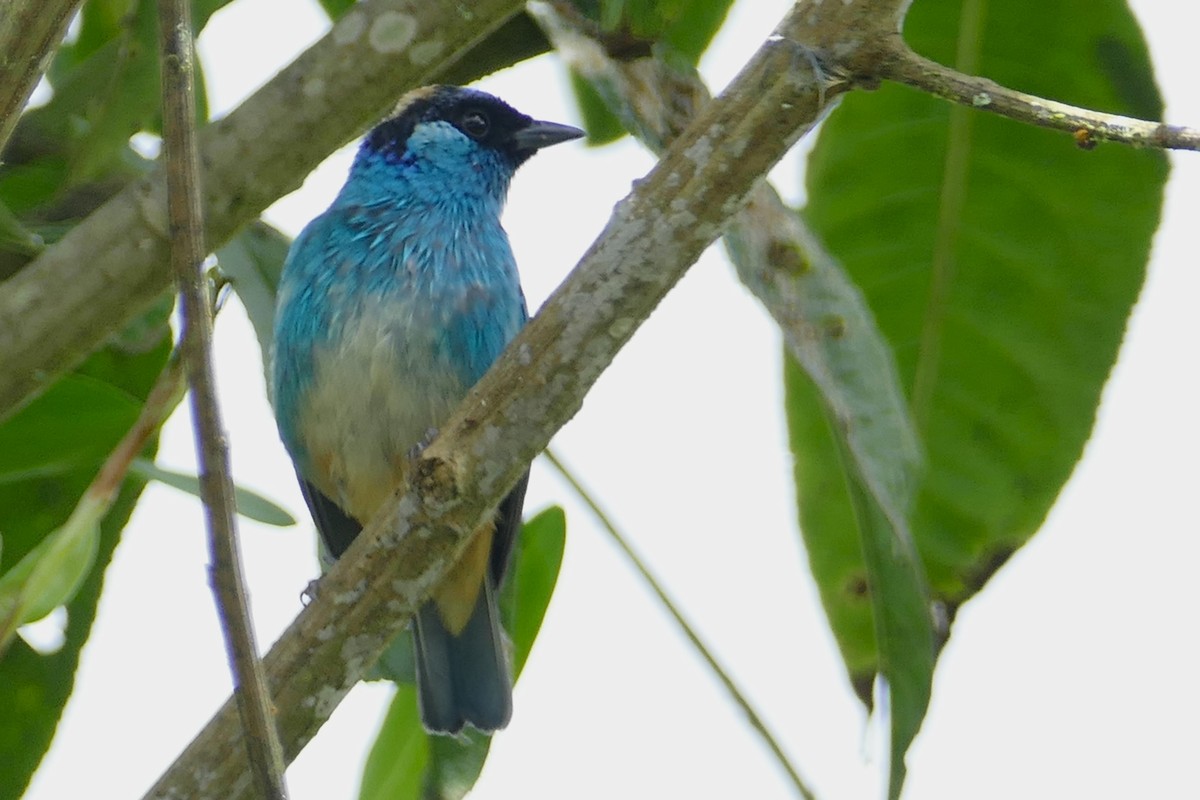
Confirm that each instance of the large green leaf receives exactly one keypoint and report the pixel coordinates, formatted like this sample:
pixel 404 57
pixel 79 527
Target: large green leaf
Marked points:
pixel 1001 263
pixel 405 761
pixel 69 427
pixel 395 768
pixel 857 407
pixel 46 472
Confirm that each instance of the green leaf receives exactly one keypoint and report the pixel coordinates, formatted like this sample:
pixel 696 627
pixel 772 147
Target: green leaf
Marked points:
pixel 100 21
pixel 847 397
pixel 526 594
pixel 1001 263
pixel 610 14
pixel 202 11
pixel 396 664
pixel 50 574
pixel 71 427
pixel 698 21
pixel 902 625
pixel 449 766
pixel 601 124
pixel 26 186
pixel 647 19
pixel 335 8
pixel 106 89
pixel 34 687
pixel 15 237
pixel 250 504
pixel 253 261
pixel 395 768
pixel 104 97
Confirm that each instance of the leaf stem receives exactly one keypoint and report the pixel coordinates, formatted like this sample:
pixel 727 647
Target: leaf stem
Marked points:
pixel 731 687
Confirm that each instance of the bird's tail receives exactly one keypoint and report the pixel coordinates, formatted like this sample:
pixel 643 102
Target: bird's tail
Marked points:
pixel 463 679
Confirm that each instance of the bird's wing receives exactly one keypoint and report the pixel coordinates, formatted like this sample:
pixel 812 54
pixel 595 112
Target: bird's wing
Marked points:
pixel 508 525
pixel 337 528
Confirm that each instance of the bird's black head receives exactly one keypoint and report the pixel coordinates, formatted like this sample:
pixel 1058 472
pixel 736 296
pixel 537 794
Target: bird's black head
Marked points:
pixel 483 118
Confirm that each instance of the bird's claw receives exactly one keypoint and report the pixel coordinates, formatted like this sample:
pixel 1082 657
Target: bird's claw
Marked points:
pixel 310 592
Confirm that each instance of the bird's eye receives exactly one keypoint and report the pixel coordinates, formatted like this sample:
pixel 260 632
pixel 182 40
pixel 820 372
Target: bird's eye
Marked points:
pixel 475 124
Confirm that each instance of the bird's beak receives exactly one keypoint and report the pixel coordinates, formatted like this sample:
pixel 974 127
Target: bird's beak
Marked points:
pixel 539 134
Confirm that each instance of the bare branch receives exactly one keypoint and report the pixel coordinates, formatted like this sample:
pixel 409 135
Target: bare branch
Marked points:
pixel 106 270
pixel 509 417
pixel 900 64
pixel 216 486
pixel 29 31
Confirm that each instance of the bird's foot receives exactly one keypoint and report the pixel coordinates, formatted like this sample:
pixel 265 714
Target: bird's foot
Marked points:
pixel 310 592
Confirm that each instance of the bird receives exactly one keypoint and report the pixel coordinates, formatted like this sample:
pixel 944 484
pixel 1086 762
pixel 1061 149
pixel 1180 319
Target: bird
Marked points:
pixel 390 306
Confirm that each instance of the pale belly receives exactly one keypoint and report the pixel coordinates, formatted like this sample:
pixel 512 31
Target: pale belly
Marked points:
pixel 377 393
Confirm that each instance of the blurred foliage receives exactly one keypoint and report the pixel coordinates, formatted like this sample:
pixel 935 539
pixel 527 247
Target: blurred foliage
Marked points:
pixel 49 453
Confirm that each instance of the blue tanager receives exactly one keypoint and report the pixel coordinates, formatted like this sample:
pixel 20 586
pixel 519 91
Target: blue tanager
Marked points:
pixel 392 304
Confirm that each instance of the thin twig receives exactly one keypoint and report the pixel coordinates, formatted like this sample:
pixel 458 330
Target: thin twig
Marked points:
pixel 727 681
pixel 900 64
pixel 216 487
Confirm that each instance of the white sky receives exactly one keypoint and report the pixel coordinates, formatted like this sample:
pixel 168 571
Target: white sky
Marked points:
pixel 1073 674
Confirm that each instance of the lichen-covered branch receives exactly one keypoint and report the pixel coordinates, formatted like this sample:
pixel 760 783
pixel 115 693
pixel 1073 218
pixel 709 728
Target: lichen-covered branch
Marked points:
pixel 107 269
pixel 510 416
pixel 825 321
pixel 29 31
pixel 900 64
